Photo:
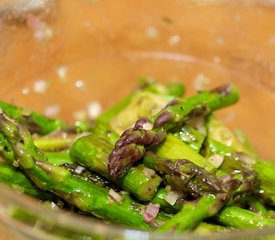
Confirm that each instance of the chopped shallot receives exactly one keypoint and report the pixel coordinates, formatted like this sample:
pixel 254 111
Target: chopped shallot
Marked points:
pixel 148 172
pixel 147 126
pixel 216 160
pixel 171 197
pixel 151 212
pixel 79 169
pixel 114 195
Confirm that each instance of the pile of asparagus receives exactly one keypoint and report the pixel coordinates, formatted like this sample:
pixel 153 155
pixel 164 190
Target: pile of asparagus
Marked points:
pixel 155 161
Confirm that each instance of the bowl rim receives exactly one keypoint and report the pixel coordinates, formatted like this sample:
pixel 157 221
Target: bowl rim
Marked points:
pixel 72 221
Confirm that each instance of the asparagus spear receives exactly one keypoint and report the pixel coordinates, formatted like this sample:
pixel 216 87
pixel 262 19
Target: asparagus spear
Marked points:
pixel 35 122
pixel 184 176
pixel 93 151
pixel 175 89
pixel 255 205
pixel 64 160
pixel 169 201
pixel 59 158
pixel 150 132
pixel 174 148
pixel 241 218
pixel 53 143
pixel 209 228
pixel 193 213
pixel 10 176
pixel 266 174
pixel 265 170
pixel 190 136
pixel 243 139
pixel 219 132
pixel 148 98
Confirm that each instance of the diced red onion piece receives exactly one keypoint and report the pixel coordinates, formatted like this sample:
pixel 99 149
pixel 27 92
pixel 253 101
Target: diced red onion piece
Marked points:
pixel 151 212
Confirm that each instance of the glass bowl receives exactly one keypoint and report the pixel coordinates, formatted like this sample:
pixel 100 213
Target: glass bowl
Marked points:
pixel 72 54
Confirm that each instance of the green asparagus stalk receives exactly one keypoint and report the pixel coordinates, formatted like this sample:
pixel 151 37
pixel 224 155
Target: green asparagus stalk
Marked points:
pixel 53 143
pixel 194 212
pixel 229 158
pixel 255 205
pixel 184 176
pixel 150 132
pixel 243 139
pixel 143 103
pixel 92 151
pixel 103 130
pixel 141 182
pixel 266 175
pixel 241 218
pixel 99 201
pixel 169 201
pixel 187 133
pixel 209 228
pixel 174 148
pixel 219 132
pixel 12 177
pixel 64 160
pixel 190 136
pixel 230 146
pixel 149 97
pixel 170 89
pixel 59 158
pixel 34 122
pixel 175 89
